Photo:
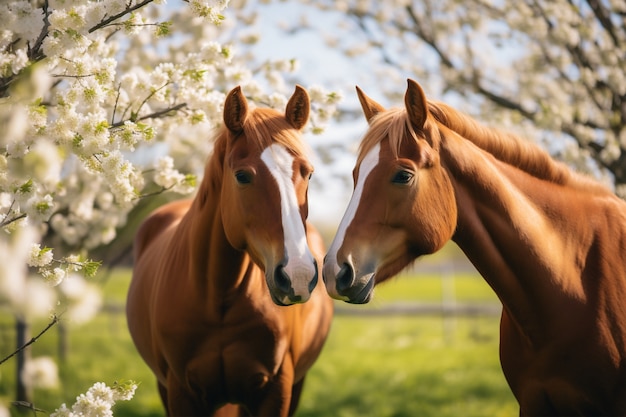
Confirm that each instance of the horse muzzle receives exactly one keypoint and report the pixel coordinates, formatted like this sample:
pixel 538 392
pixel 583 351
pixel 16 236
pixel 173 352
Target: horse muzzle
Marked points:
pixel 292 283
pixel 343 283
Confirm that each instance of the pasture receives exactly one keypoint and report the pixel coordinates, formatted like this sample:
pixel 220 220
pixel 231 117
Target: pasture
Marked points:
pixel 372 365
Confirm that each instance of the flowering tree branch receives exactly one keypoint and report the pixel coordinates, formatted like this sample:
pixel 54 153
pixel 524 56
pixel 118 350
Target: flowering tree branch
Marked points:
pixel 154 115
pixel 35 53
pixel 8 220
pixel 29 406
pixel 55 320
pixel 74 121
pixel 109 20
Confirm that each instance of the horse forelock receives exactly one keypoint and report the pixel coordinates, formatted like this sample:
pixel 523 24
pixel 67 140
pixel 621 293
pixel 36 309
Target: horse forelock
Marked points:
pixel 393 125
pixel 267 126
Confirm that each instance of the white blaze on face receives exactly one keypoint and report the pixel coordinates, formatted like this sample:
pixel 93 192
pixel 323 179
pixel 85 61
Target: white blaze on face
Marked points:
pixel 300 265
pixel 368 163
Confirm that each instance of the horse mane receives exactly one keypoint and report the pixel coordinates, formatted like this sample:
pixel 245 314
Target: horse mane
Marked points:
pixel 264 126
pixel 504 146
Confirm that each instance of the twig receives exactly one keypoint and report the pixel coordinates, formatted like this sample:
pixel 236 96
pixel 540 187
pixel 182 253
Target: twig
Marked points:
pixel 35 53
pixel 55 320
pixel 29 406
pixel 14 219
pixel 145 100
pixel 152 115
pixel 129 9
pixel 153 193
pixel 7 221
pixel 117 99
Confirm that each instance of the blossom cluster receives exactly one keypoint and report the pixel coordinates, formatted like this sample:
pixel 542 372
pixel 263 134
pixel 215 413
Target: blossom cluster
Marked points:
pixel 101 103
pixel 41 372
pixel 98 401
pixel 106 101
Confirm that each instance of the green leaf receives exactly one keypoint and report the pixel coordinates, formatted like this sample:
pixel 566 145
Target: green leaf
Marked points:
pixel 191 180
pixel 25 188
pixel 90 268
pixel 164 29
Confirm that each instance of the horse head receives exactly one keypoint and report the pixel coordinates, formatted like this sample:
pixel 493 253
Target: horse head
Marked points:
pixel 403 204
pixel 264 192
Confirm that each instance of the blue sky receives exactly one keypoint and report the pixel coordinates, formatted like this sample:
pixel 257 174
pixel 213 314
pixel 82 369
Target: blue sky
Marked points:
pixel 319 64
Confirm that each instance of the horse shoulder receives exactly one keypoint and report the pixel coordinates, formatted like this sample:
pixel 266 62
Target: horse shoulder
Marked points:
pixel 158 221
pixel 147 251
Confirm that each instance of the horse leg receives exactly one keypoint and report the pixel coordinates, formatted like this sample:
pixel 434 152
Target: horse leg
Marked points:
pixel 163 395
pixel 535 401
pixel 230 410
pixel 180 402
pixel 296 391
pixel 275 398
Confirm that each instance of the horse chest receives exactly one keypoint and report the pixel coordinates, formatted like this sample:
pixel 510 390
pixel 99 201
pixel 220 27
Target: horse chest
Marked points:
pixel 227 361
pixel 574 377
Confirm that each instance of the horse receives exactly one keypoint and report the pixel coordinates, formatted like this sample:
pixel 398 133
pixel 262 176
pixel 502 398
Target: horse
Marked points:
pixel 216 305
pixel 550 242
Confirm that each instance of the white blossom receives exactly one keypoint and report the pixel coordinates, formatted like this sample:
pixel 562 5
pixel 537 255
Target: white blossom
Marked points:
pixel 53 277
pixel 39 256
pixel 209 9
pixel 83 300
pixel 37 302
pixel 41 372
pixel 97 401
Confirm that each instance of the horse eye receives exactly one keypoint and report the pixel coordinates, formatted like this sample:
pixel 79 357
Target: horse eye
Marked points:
pixel 243 177
pixel 306 171
pixel 402 177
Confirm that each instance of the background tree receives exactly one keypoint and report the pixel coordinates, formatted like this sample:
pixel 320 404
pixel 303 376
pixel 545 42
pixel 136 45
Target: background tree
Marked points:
pixel 557 67
pixel 102 105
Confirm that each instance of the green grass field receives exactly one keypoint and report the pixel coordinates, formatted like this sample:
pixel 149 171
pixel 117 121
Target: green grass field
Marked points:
pixel 397 365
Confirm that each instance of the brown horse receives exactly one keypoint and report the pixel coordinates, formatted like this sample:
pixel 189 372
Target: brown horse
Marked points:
pixel 200 307
pixel 549 242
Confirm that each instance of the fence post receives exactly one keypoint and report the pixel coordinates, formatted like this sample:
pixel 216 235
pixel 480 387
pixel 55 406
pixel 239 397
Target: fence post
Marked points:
pixel 62 342
pixel 22 332
pixel 448 301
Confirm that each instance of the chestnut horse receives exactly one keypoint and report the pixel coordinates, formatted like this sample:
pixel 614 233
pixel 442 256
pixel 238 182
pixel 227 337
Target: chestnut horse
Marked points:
pixel 550 243
pixel 208 302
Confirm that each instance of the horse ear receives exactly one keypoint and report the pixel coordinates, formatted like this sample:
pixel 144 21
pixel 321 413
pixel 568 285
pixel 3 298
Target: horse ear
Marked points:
pixel 370 107
pixel 416 105
pixel 235 110
pixel 297 111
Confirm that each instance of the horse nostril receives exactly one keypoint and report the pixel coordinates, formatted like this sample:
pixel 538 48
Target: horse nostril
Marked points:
pixel 345 277
pixel 282 280
pixel 313 282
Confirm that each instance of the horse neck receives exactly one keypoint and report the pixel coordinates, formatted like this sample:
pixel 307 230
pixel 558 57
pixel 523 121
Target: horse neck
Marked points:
pixel 218 272
pixel 512 230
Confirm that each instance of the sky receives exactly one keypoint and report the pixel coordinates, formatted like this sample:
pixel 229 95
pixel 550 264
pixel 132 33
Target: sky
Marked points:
pixel 331 185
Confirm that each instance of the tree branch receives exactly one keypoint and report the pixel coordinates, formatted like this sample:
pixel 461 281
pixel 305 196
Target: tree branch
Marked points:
pixel 28 406
pixel 55 320
pixel 35 53
pixel 152 115
pixel 129 9
pixel 428 38
pixel 605 20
